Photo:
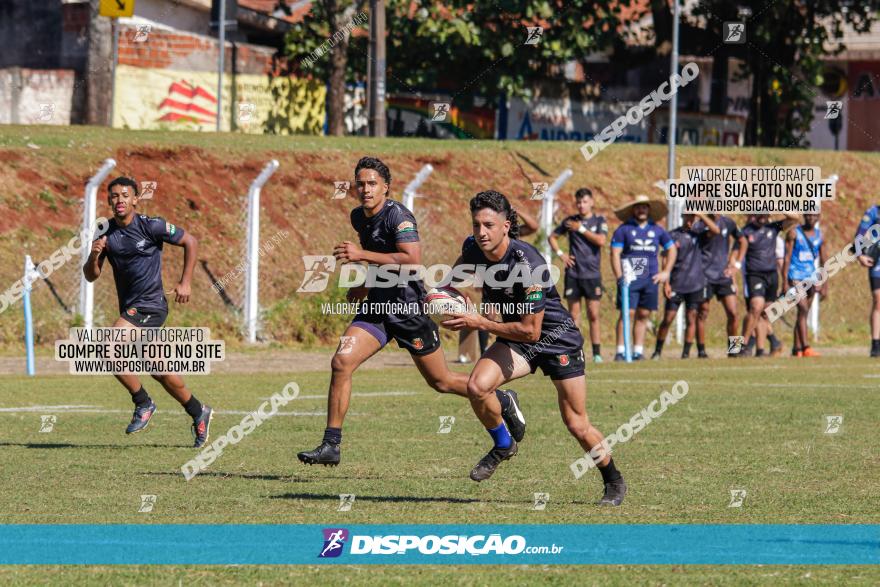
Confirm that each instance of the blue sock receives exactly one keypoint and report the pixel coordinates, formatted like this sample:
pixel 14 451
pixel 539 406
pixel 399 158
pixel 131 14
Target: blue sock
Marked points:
pixel 501 436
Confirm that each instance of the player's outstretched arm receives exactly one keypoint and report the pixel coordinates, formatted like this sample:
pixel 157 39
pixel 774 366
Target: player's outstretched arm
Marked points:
pixel 190 253
pixel 92 267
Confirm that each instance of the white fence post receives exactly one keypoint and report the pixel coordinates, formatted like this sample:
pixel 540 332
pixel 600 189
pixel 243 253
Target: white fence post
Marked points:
pixel 409 192
pixel 547 209
pixel 87 289
pixel 251 296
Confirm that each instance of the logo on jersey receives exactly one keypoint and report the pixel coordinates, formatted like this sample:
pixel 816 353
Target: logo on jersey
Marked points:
pixel 141 244
pixel 535 293
pixel 563 360
pixel 170 228
pixel 406 226
pixel 319 268
pixel 334 541
pixel 418 344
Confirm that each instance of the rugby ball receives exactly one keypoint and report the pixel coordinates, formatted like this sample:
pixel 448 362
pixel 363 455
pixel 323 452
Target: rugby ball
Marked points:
pixel 440 301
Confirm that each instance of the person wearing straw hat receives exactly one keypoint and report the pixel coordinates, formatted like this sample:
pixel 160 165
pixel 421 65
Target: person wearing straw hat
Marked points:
pixel 639 240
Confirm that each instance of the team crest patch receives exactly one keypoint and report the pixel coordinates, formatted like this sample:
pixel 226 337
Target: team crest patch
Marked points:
pixel 535 293
pixel 406 226
pixel 751 238
pixel 418 344
pixel 563 360
pixel 131 311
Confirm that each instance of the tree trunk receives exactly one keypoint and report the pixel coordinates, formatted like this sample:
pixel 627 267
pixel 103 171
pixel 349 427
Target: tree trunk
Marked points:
pixel 99 64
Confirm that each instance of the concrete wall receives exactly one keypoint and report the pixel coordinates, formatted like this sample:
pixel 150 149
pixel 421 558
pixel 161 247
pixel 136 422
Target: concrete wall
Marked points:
pixel 32 96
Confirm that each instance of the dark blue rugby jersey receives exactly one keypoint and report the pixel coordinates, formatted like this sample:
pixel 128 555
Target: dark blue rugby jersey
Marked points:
pixel 687 273
pixel 558 333
pixel 587 256
pixel 716 247
pixel 641 244
pixel 761 254
pixel 135 253
pixel 381 233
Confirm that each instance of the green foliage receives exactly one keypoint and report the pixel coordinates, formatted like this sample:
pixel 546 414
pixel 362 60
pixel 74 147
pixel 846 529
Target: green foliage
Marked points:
pixel 784 52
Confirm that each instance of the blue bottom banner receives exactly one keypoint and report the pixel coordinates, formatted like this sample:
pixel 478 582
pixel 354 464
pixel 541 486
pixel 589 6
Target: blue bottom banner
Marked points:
pixel 617 544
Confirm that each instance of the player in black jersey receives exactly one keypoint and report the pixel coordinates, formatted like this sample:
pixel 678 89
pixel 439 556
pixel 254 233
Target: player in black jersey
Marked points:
pixel 587 233
pixel 757 246
pixel 133 245
pixel 536 331
pixel 388 237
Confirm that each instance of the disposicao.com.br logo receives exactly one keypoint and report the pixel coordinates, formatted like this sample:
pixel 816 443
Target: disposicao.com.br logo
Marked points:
pixel 334 540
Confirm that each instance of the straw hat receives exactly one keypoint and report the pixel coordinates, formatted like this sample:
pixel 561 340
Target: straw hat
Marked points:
pixel 656 212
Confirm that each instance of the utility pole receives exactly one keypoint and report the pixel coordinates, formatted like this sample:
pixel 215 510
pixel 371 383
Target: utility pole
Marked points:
pixel 377 69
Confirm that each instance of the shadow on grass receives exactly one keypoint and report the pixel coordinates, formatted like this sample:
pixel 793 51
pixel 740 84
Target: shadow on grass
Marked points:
pixel 382 498
pixel 222 475
pixel 69 445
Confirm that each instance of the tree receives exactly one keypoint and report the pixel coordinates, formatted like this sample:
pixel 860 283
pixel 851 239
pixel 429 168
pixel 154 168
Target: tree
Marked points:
pixel 464 47
pixel 785 45
pixel 328 25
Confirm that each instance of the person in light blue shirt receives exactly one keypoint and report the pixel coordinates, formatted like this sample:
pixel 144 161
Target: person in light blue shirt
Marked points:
pixel 803 247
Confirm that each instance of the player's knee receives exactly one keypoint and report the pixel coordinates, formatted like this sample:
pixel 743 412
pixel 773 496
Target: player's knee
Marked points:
pixel 340 364
pixel 477 389
pixel 158 377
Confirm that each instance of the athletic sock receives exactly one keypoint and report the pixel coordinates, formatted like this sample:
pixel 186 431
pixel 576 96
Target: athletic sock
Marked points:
pixel 759 353
pixel 503 398
pixel 501 436
pixel 638 349
pixel 621 349
pixel 193 407
pixel 701 348
pixel 596 349
pixel 333 435
pixel 774 342
pixel 609 472
pixel 875 344
pixel 686 350
pixel 751 342
pixel 141 398
pixel 658 348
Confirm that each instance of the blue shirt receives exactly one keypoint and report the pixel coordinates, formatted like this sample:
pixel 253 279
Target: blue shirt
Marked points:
pixel 641 244
pixel 135 253
pixel 804 254
pixel 871 217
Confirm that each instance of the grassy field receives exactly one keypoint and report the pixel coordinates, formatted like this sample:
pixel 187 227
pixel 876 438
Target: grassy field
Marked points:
pixel 757 425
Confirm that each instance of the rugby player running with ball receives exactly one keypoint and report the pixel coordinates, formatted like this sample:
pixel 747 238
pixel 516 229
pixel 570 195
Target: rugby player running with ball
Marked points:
pixel 536 331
